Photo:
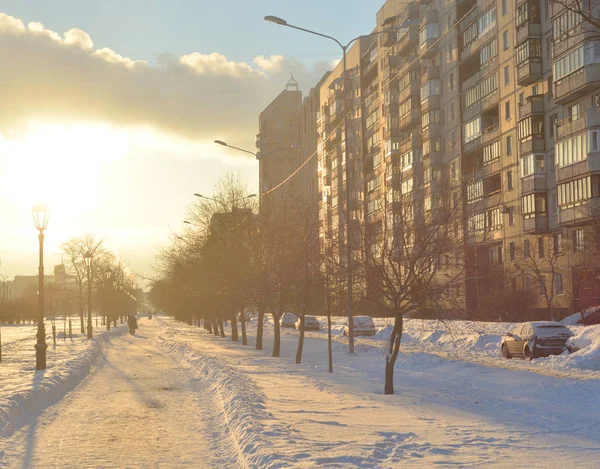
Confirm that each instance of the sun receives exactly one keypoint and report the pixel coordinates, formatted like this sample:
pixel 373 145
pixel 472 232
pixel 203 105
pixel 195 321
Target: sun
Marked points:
pixel 58 164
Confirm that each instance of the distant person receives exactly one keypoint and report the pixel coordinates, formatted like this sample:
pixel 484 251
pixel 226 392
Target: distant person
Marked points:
pixel 149 314
pixel 133 325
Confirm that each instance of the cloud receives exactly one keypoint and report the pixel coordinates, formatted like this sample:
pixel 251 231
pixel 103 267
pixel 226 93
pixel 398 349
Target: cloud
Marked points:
pixel 270 64
pixel 197 96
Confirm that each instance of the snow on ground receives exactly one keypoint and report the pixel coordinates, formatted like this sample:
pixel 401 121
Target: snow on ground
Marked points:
pixel 174 396
pixel 25 392
pixel 445 412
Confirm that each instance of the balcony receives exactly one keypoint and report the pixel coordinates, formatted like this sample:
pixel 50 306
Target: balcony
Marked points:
pixel 429 47
pixel 391 109
pixel 411 143
pixel 490 134
pixel 535 224
pixel 409 40
pixel 410 119
pixel 572 125
pixel 413 88
pixel 529 71
pixel 336 112
pixel 582 168
pixel 433 130
pixel 431 102
pixel 389 39
pixel 429 73
pixel 333 139
pixel 535 144
pixel 389 133
pixel 577 84
pixel 529 29
pixel 533 183
pixel 533 105
pixel 580 214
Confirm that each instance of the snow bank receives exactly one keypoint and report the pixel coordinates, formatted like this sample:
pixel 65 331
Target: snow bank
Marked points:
pixel 587 357
pixel 45 388
pixel 243 405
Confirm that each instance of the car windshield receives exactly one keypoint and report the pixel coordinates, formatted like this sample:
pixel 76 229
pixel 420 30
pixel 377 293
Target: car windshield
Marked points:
pixel 549 331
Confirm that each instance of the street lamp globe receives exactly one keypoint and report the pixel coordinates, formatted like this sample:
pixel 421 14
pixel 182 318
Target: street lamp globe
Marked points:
pixel 41 216
pixel 88 259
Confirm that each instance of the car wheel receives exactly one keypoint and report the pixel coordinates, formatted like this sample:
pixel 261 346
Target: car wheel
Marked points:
pixel 505 352
pixel 528 353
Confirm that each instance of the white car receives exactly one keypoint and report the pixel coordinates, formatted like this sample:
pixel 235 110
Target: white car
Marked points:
pixel 363 325
pixel 310 323
pixel 289 320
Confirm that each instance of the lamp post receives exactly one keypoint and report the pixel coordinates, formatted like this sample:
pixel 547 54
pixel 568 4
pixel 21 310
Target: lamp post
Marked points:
pixel 108 278
pixel 282 22
pixel 41 215
pixel 88 262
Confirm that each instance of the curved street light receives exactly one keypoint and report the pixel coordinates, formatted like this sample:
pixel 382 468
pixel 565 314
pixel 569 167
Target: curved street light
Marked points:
pixel 88 263
pixel 41 216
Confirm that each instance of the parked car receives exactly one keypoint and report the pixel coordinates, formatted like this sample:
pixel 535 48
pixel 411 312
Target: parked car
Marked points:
pixel 310 323
pixel 536 339
pixel 363 325
pixel 288 320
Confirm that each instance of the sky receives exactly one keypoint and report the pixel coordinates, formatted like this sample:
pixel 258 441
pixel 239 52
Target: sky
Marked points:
pixel 108 110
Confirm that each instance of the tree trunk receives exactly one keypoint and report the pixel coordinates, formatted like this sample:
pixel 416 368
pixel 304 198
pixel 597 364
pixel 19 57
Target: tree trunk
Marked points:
pixel 300 341
pixel 330 352
pixel 260 327
pixel 392 354
pixel 276 336
pixel 243 323
pixel 222 331
pixel 208 326
pixel 234 329
pixel 54 333
pixel 70 329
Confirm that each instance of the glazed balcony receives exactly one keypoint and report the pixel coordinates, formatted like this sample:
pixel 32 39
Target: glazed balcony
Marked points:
pixel 410 119
pixel 590 165
pixel 534 183
pixel 572 125
pixel 529 29
pixel 529 71
pixel 533 105
pixel 429 73
pixel 535 144
pixel 433 130
pixel 413 88
pixel 429 103
pixel 535 224
pixel 583 81
pixel 411 143
pixel 578 215
pixel 409 40
pixel 429 47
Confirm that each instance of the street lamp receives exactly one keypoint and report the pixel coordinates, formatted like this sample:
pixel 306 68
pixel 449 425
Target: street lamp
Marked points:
pixel 108 278
pixel 282 22
pixel 88 262
pixel 41 215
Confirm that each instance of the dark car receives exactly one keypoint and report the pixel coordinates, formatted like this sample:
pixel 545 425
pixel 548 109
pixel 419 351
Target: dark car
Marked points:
pixel 536 339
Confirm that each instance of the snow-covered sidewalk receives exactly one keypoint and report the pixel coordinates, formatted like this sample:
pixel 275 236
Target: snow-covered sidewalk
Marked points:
pixel 138 409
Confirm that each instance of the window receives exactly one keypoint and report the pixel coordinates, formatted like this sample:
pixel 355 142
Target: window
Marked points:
pixel 474 192
pixel 531 48
pixel 509 145
pixel 572 150
pixel 527 249
pixel 511 216
pixel 574 193
pixel 509 181
pixel 491 153
pixel 481 90
pixel 521 98
pixel 488 53
pixel 568 64
pixel 507 110
pixel 505 39
pixel 532 164
pixel 557 242
pixel 431 145
pixel 534 90
pixel 549 47
pixel 564 25
pixel 451 81
pixel 504 7
pixel 542 285
pixel 578 243
pixel 512 251
pixel 507 75
pixel 452 116
pixel 558 284
pixel 472 130
pixel 596 100
pixel 431 88
pixel 540 247
pixel 532 205
pixel 430 31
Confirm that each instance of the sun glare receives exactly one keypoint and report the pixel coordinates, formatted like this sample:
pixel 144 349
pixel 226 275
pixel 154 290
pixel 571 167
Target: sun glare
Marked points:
pixel 58 164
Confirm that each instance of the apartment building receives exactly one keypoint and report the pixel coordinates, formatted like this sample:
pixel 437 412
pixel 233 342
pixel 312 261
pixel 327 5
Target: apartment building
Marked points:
pixel 491 107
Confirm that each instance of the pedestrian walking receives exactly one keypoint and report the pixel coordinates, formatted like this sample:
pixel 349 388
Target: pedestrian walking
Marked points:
pixel 133 325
